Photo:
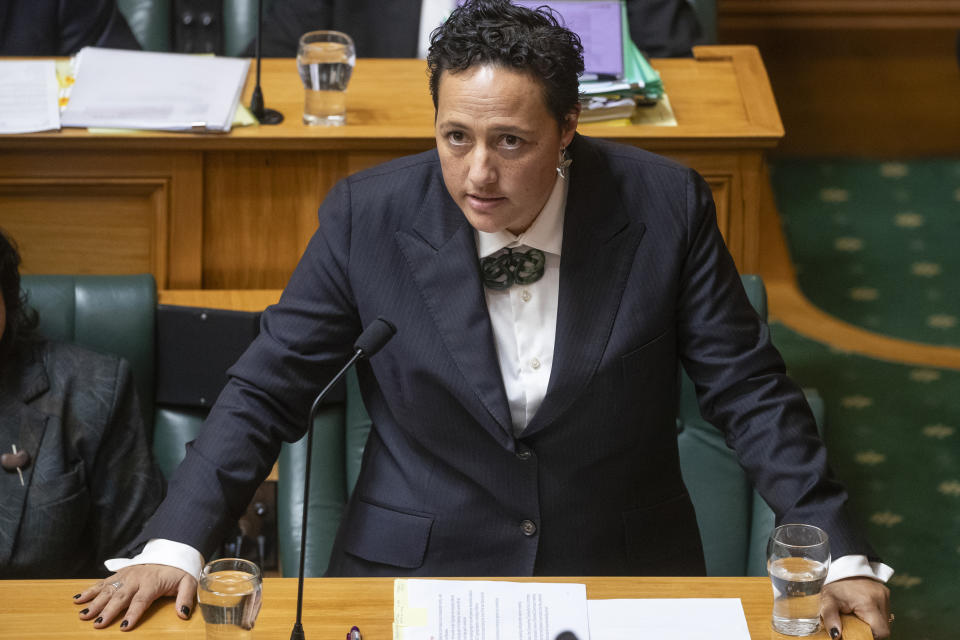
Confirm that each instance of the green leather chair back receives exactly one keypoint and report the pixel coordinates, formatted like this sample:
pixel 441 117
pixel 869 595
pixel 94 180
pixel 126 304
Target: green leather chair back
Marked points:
pixel 173 428
pixel 734 520
pixel 150 22
pixel 339 437
pixel 239 24
pixel 109 314
pixel 706 11
pixel 729 511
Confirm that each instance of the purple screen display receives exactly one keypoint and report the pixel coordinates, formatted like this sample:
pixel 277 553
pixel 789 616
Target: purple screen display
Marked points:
pixel 597 22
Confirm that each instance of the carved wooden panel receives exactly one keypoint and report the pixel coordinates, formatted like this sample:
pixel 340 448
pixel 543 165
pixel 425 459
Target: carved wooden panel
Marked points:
pixel 84 226
pixel 105 212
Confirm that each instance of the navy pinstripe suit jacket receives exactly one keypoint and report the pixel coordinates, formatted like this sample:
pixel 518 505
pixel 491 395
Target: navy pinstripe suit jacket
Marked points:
pixel 646 282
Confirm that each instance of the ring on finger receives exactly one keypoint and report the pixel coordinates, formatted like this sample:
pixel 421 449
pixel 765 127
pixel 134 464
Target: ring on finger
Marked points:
pixel 116 585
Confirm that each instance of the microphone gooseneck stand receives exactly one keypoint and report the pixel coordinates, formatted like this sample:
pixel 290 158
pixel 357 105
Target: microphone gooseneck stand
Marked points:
pixel 377 334
pixel 257 108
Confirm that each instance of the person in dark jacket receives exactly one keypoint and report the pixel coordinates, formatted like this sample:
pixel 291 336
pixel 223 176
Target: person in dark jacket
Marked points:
pixel 660 28
pixel 77 481
pixel 62 27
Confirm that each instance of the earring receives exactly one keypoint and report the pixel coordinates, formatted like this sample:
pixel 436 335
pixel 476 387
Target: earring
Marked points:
pixel 563 163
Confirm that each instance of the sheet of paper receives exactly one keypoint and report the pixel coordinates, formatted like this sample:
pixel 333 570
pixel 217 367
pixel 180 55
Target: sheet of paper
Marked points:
pixel 147 90
pixel 28 96
pixel 488 610
pixel 668 619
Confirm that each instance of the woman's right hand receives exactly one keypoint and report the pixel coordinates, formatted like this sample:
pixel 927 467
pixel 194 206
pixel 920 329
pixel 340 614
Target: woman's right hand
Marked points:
pixel 129 592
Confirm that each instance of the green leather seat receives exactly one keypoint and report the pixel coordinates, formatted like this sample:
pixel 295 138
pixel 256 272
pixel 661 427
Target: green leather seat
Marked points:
pixel 734 520
pixel 152 23
pixel 117 314
pixel 109 314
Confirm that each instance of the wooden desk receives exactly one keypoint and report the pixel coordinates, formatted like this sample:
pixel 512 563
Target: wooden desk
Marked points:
pixel 235 211
pixel 41 610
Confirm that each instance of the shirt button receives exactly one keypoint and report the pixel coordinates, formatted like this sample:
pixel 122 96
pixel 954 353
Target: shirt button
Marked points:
pixel 528 527
pixel 525 295
pixel 523 454
pixel 535 363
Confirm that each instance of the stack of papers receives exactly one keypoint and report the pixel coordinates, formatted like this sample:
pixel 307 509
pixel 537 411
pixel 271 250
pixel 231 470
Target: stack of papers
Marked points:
pixel 609 98
pixel 488 610
pixel 145 90
pixel 501 610
pixel 28 96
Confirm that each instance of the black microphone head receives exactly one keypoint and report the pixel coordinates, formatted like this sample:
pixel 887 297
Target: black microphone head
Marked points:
pixel 377 334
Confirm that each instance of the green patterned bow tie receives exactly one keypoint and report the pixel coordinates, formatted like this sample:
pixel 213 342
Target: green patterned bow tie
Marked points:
pixel 513 267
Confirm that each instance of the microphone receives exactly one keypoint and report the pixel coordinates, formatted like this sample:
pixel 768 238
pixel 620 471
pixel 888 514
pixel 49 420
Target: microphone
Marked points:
pixel 264 115
pixel 373 338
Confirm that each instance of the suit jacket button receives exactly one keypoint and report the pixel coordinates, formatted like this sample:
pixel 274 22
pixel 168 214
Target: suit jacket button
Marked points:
pixel 528 527
pixel 523 454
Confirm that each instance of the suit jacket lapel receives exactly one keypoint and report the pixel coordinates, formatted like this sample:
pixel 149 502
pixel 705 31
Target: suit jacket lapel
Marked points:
pixel 599 245
pixel 442 254
pixel 24 426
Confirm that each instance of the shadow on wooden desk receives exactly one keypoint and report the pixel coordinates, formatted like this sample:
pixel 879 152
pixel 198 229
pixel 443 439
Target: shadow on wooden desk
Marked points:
pixel 42 609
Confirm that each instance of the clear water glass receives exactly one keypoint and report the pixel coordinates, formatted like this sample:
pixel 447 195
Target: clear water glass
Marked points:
pixel 798 557
pixel 230 592
pixel 325 60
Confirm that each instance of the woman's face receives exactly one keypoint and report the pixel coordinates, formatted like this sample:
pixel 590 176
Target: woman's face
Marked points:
pixel 499 145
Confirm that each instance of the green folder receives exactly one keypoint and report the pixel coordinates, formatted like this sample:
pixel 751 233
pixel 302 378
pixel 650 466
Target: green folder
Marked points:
pixel 639 78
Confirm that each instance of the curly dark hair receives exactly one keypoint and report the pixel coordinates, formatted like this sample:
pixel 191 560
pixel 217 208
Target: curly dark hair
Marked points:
pixel 499 33
pixel 21 319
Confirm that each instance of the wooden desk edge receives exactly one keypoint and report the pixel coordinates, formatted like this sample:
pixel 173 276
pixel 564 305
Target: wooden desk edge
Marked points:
pixel 39 609
pixel 757 93
pixel 227 299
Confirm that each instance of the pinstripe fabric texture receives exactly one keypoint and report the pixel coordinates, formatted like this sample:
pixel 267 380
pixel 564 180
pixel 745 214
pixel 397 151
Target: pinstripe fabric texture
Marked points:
pixel 592 486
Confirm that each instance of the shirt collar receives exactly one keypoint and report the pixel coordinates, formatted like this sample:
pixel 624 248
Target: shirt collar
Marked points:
pixel 546 232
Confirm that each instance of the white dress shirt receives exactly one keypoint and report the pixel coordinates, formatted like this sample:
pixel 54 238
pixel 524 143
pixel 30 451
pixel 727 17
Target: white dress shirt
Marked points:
pixel 524 321
pixel 433 13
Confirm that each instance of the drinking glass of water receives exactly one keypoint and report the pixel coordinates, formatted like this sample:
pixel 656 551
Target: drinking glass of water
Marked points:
pixel 325 60
pixel 798 556
pixel 229 594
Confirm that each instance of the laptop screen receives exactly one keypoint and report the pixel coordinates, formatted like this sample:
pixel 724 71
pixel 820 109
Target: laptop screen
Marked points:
pixel 599 25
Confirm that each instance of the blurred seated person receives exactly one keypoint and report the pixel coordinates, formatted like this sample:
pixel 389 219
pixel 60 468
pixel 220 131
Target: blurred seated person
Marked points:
pixel 62 27
pixel 401 28
pixel 81 482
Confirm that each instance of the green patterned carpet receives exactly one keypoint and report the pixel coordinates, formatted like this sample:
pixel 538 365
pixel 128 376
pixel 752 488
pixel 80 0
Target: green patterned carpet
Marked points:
pixel 876 244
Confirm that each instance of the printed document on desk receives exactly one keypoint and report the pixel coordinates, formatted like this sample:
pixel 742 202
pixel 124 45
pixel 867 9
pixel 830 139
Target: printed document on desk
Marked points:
pixel 675 618
pixel 28 96
pixel 488 610
pixel 147 90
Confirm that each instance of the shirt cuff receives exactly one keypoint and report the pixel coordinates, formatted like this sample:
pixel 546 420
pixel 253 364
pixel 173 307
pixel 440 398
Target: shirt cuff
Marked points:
pixel 857 566
pixel 166 552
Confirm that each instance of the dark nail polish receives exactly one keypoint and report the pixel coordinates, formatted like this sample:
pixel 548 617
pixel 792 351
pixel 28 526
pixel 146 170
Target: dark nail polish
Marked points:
pixel 76 596
pixel 123 625
pixel 185 610
pixel 84 612
pixel 834 633
pixel 98 620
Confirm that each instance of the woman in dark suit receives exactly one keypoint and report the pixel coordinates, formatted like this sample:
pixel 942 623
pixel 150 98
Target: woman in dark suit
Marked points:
pixel 77 480
pixel 544 286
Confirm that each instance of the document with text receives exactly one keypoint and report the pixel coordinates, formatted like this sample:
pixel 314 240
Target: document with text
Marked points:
pixel 149 90
pixel 28 96
pixel 488 610
pixel 668 618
